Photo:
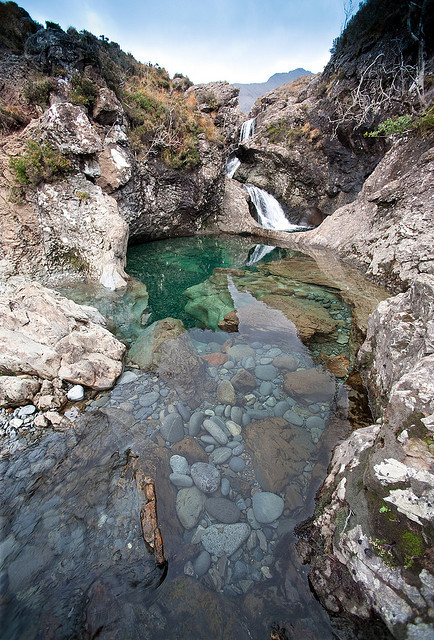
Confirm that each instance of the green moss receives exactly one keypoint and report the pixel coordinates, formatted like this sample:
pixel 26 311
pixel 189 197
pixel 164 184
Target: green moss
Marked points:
pixel 83 91
pixel 281 132
pixel 38 91
pixel 38 163
pixel 412 546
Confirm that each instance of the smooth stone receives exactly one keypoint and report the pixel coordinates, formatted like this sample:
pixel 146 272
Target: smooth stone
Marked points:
pixel 234 428
pixel 285 361
pixel 215 431
pixel 189 506
pixel 223 510
pixel 126 377
pixel 281 408
pixel 225 539
pixel 315 422
pixel 220 455
pixel 195 423
pixel 205 476
pixel 225 487
pixel 256 345
pixel 265 372
pixel 237 464
pixel 265 360
pixel 209 448
pixel 184 412
pixel 293 418
pixel 267 506
pixel 172 428
pixel 29 409
pixel 240 571
pixel 238 450
pixel 76 393
pixel 257 414
pixel 271 402
pixel 148 399
pixel 273 352
pixel 243 381
pixel 207 439
pixel 249 363
pixel 229 364
pixel 265 388
pixel 181 480
pixel 219 410
pixel 236 414
pixel 179 464
pixel 202 563
pixel 226 393
pixel 252 520
pixel 240 351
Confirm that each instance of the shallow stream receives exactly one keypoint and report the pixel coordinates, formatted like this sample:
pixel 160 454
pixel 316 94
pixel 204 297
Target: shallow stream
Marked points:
pixel 235 428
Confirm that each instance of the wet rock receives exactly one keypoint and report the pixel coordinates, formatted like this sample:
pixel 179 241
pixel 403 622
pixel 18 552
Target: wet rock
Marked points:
pixel 223 540
pixel 240 351
pixel 336 365
pixel 179 464
pixel 220 455
pixel 202 563
pixel 146 351
pixel 180 480
pixel 230 322
pixel 195 423
pixel 148 399
pixel 223 510
pixel 190 448
pixel 286 362
pixel 265 372
pixel 215 431
pixel 226 393
pixel 205 476
pixel 189 506
pixel 172 428
pixel 215 359
pixel 267 506
pixel 293 418
pixel 309 385
pixel 237 464
pixel 243 381
pixel 76 393
pixel 278 452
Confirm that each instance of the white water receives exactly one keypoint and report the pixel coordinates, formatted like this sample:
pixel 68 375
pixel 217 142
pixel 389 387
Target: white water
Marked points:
pixel 270 213
pixel 259 252
pixel 232 165
pixel 247 130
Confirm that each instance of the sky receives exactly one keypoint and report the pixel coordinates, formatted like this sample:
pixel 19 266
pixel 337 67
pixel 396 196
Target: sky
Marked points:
pixel 234 40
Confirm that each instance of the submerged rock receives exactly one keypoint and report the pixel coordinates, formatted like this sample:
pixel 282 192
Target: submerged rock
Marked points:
pixel 220 540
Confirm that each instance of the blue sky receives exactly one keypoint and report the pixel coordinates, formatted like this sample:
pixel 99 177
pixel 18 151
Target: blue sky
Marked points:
pixel 233 40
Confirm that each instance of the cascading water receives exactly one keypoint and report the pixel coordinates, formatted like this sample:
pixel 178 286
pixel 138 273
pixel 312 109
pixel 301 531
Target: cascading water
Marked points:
pixel 270 213
pixel 259 252
pixel 232 164
pixel 247 130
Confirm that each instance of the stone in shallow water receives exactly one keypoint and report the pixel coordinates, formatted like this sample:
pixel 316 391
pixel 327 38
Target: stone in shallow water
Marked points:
pixel 286 361
pixel 240 351
pixel 202 563
pixel 195 423
pixel 205 476
pixel 220 539
pixel 243 381
pixel 126 377
pixel 266 388
pixel 226 393
pixel 148 399
pixel 189 506
pixel 215 431
pixel 236 414
pixel 180 480
pixel 267 506
pixel 281 408
pixel 223 510
pixel 265 372
pixel 310 385
pixel 293 418
pixel 237 464
pixel 225 487
pixel 220 455
pixel 179 464
pixel 172 428
pixel 315 422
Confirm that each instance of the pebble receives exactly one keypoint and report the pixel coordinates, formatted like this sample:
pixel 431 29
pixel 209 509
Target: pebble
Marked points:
pixel 237 464
pixel 223 510
pixel 202 563
pixel 222 540
pixel 220 455
pixel 293 418
pixel 267 506
pixel 233 427
pixel 27 410
pixel 189 506
pixel 195 423
pixel 172 428
pixel 315 422
pixel 126 377
pixel 215 431
pixel 205 476
pixel 179 464
pixel 180 480
pixel 148 399
pixel 225 487
pixel 238 450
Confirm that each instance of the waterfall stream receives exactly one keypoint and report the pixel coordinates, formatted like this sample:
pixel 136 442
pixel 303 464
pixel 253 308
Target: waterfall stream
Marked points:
pixel 270 213
pixel 247 130
pixel 232 164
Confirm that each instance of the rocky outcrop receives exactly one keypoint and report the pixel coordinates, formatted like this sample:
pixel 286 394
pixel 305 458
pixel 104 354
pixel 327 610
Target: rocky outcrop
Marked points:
pixel 48 337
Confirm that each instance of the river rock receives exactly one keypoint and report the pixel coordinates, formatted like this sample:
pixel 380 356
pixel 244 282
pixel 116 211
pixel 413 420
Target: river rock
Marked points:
pixel 236 415
pixel 315 422
pixel 226 393
pixel 195 423
pixel 220 539
pixel 285 361
pixel 205 476
pixel 310 385
pixel 223 510
pixel 240 351
pixel 180 480
pixel 189 506
pixel 146 350
pixel 148 399
pixel 202 563
pixel 265 372
pixel 237 464
pixel 76 393
pixel 215 431
pixel 172 428
pixel 179 464
pixel 267 506
pixel 220 455
pixel 293 418
pixel 243 381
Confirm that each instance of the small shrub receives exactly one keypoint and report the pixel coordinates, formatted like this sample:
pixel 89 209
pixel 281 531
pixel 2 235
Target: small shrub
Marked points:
pixel 83 91
pixel 38 91
pixel 83 196
pixel 392 126
pixel 38 163
pixel 425 124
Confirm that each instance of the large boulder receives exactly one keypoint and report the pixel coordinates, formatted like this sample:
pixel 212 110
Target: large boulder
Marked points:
pixel 67 128
pixel 45 335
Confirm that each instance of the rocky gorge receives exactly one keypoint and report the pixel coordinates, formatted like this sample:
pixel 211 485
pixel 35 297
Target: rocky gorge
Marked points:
pixel 98 173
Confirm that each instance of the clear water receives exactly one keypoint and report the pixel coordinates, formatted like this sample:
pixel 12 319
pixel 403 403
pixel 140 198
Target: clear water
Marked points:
pixel 75 564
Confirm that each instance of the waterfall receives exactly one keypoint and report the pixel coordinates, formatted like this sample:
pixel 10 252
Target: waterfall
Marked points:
pixel 270 213
pixel 247 130
pixel 232 164
pixel 259 252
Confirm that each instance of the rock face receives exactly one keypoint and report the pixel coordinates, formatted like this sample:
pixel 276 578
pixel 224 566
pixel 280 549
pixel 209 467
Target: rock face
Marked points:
pixel 44 335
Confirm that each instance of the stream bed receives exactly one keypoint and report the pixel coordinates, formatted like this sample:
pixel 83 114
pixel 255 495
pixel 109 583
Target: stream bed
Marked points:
pixel 234 426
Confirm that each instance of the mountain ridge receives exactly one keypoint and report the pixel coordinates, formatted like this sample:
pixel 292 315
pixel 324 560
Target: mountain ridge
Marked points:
pixel 250 92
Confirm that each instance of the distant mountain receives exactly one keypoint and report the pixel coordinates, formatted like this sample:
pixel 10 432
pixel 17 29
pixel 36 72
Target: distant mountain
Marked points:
pixel 250 92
